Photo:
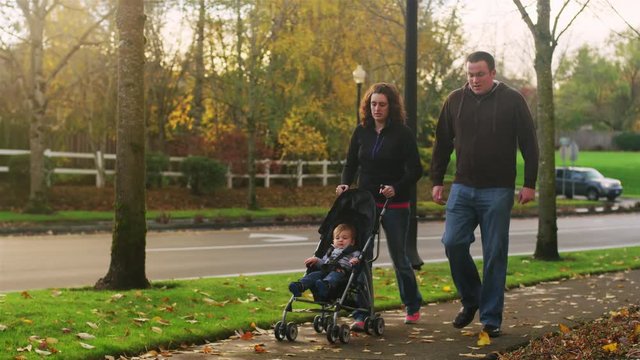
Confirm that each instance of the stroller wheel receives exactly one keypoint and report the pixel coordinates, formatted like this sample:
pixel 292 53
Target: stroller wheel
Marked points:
pixel 317 324
pixel 378 326
pixel 327 321
pixel 368 326
pixel 345 334
pixel 333 333
pixel 292 331
pixel 279 330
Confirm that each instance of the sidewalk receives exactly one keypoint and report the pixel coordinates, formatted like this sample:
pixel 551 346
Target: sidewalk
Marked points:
pixel 530 312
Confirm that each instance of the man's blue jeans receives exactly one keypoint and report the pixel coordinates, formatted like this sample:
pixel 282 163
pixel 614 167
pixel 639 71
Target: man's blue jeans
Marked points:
pixel 395 223
pixel 490 208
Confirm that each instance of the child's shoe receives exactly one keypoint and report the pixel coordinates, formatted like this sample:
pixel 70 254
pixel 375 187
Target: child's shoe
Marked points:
pixel 412 318
pixel 296 288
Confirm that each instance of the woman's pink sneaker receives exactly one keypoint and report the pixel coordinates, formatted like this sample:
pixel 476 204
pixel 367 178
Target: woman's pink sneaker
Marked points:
pixel 412 318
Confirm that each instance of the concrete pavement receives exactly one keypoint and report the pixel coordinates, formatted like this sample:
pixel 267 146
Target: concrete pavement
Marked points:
pixel 529 313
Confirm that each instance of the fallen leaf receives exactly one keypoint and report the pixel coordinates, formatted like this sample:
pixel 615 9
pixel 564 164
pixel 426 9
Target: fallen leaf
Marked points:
pixel 483 339
pixel 27 321
pixel 446 288
pixel 259 348
pixel 26 348
pixel 156 330
pixel 3 327
pixel 215 303
pixel 150 354
pixel 92 325
pixel 636 331
pixel 85 336
pixel 564 328
pixel 43 352
pixel 610 347
pixel 51 340
pixel 25 294
pixel 87 346
pixel 56 293
pixel 472 355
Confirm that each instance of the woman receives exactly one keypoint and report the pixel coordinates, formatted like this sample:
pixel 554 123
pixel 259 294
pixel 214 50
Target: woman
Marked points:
pixel 384 150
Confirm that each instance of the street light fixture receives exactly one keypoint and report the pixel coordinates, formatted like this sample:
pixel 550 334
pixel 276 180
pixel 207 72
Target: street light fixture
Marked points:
pixel 358 76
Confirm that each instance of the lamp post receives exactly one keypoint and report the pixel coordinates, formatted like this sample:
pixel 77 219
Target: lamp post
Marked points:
pixel 358 76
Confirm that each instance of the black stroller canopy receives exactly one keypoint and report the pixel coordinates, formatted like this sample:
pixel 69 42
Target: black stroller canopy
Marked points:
pixel 356 207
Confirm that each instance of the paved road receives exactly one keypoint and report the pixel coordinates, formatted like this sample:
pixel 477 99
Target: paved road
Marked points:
pixel 49 261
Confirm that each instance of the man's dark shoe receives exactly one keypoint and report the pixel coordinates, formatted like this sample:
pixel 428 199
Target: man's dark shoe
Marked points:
pixel 493 331
pixel 464 317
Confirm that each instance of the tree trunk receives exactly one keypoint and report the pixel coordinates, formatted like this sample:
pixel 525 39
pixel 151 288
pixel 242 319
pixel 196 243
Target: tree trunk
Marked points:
pixel 38 202
pixel 197 108
pixel 252 201
pixel 127 268
pixel 547 243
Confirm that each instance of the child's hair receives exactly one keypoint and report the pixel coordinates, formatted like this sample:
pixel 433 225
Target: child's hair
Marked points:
pixel 348 227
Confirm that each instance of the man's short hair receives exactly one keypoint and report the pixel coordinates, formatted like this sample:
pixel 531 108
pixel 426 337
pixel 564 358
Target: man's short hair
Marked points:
pixel 482 56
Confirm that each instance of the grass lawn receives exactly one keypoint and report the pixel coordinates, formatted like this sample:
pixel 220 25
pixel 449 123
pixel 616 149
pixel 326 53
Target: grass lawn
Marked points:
pixel 85 324
pixel 424 208
pixel 613 164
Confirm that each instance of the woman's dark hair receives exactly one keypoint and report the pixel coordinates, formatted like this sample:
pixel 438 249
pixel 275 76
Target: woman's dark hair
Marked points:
pixel 396 104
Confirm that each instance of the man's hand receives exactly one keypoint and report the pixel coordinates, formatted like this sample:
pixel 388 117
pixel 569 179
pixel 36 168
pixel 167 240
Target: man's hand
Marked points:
pixel 436 194
pixel 526 194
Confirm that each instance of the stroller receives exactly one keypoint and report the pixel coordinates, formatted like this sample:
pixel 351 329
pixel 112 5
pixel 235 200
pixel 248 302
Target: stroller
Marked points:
pixel 356 207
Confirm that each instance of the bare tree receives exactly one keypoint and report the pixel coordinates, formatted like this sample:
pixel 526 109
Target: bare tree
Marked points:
pixel 197 109
pixel 546 41
pixel 35 13
pixel 127 268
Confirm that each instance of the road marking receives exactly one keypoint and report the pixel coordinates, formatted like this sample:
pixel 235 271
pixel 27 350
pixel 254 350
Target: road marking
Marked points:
pixel 225 247
pixel 282 240
pixel 275 238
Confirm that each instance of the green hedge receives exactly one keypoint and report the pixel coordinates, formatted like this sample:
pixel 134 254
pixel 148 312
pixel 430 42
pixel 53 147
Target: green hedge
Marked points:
pixel 628 141
pixel 156 163
pixel 202 174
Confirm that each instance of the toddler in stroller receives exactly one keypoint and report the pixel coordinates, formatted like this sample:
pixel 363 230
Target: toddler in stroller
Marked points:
pixel 352 218
pixel 325 275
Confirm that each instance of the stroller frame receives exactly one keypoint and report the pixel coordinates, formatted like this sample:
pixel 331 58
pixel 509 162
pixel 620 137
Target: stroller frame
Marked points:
pixel 327 320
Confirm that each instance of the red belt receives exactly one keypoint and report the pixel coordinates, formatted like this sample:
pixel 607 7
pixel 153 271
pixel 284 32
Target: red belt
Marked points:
pixel 401 205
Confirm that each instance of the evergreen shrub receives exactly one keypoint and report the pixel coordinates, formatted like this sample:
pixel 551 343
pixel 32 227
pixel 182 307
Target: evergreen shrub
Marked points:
pixel 202 174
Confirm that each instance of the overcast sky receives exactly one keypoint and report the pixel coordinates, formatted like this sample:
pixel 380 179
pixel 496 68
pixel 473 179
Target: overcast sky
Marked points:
pixel 496 26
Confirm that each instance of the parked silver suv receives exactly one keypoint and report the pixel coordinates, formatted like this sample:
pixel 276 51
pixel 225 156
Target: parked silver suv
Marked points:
pixel 585 181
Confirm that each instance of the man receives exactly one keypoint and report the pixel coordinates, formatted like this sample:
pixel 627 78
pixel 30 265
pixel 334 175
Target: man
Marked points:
pixel 485 122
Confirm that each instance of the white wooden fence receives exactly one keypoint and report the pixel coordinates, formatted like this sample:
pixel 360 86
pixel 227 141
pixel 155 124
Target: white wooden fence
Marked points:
pixel 99 169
